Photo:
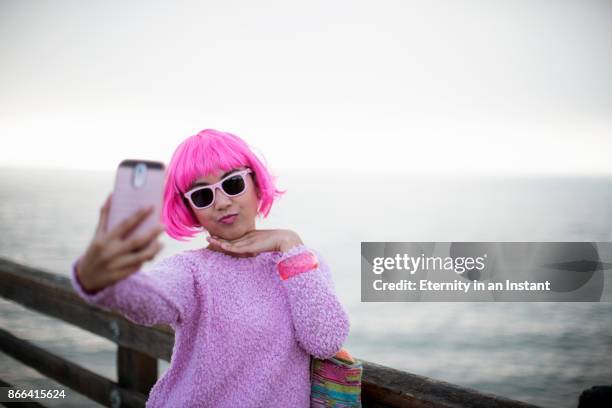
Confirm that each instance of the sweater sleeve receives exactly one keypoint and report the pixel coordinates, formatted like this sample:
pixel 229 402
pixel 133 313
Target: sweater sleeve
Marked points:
pixel 163 295
pixel 320 321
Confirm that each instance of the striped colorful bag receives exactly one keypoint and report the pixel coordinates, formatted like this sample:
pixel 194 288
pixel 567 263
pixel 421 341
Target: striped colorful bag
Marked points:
pixel 336 382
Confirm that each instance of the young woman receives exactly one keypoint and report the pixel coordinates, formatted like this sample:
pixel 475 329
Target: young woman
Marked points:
pixel 249 310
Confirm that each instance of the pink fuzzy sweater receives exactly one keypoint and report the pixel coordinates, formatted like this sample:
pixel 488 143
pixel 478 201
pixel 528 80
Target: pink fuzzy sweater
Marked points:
pixel 243 336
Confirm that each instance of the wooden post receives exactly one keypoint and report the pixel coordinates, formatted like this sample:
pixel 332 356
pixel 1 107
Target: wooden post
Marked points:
pixel 136 371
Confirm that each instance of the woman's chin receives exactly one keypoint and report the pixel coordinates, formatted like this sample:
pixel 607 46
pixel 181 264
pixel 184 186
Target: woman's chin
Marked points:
pixel 232 231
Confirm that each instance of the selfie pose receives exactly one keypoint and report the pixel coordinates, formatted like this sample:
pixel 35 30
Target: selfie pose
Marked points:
pixel 248 310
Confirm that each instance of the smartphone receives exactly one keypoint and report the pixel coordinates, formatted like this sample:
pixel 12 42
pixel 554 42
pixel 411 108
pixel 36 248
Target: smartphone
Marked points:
pixel 138 183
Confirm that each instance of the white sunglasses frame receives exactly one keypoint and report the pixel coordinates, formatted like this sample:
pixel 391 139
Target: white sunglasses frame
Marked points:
pixel 218 184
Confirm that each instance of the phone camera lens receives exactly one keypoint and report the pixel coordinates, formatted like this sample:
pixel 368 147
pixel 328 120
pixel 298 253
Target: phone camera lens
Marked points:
pixel 139 175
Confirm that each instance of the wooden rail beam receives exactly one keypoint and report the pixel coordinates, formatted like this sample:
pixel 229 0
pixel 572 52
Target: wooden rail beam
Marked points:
pixel 80 379
pixel 56 298
pixel 387 387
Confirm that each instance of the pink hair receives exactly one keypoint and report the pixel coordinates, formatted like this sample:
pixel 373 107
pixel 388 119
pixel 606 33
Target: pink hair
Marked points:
pixel 200 155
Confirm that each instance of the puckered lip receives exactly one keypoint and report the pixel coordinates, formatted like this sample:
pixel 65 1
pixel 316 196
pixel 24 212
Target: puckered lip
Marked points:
pixel 227 216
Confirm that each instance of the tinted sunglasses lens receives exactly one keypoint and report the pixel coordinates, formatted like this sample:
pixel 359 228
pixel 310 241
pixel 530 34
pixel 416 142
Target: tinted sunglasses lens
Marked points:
pixel 202 198
pixel 233 185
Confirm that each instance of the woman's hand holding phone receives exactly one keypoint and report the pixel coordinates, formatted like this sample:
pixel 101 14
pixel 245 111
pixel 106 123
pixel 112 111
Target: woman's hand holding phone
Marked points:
pixel 114 255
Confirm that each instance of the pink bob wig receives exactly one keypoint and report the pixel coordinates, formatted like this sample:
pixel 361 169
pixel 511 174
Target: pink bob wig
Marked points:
pixel 198 156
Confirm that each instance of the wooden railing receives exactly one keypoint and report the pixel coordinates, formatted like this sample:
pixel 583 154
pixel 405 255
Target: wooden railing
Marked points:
pixel 139 348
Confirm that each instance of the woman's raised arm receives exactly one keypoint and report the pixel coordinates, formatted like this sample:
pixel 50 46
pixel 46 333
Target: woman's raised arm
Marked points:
pixel 109 273
pixel 163 295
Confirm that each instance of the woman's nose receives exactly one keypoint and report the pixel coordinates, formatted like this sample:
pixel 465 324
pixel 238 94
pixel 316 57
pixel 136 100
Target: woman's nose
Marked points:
pixel 221 200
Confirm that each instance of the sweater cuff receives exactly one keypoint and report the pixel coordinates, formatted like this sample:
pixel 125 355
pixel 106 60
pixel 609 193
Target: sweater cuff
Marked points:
pixel 296 261
pixel 91 297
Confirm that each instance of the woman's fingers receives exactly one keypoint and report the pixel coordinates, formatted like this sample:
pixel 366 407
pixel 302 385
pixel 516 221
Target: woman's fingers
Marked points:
pixel 214 240
pixel 136 259
pixel 253 242
pixel 101 228
pixel 130 223
pixel 240 246
pixel 125 272
pixel 223 243
pixel 119 248
pixel 139 242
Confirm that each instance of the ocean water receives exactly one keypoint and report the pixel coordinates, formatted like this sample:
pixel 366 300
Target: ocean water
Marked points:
pixel 542 353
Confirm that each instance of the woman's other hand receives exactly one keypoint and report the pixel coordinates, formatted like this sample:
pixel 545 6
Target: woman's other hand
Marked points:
pixel 258 241
pixel 111 255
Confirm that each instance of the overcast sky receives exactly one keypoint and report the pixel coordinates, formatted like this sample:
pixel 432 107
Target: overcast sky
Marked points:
pixel 479 86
